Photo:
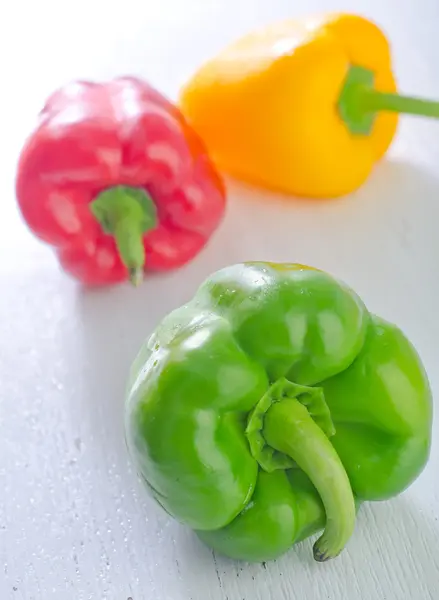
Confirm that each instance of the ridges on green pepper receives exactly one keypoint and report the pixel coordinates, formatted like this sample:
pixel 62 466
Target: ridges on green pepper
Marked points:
pixel 271 403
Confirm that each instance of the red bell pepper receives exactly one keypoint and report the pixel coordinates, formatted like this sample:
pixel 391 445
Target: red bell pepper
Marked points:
pixel 115 179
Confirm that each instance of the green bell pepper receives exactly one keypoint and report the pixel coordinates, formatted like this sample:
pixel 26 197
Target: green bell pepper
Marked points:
pixel 270 405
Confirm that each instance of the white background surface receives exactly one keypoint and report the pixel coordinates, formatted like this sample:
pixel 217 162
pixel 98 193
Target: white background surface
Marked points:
pixel 75 523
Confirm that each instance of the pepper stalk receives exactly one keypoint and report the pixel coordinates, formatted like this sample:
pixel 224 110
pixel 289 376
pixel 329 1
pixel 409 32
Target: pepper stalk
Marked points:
pixel 291 426
pixel 127 213
pixel 360 102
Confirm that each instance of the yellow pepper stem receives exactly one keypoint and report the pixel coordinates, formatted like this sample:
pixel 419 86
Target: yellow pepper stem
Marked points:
pixel 360 101
pixel 374 101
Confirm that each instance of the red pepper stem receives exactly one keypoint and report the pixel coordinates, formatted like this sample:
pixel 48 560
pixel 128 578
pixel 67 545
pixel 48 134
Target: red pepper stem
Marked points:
pixel 129 241
pixel 127 213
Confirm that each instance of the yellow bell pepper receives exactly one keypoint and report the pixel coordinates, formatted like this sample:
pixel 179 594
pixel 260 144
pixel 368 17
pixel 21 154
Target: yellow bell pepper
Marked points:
pixel 304 107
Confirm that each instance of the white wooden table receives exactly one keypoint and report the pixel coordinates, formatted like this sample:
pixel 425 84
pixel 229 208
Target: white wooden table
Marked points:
pixel 75 524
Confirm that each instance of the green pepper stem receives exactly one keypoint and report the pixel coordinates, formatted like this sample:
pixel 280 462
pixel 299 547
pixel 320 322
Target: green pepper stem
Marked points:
pixel 127 213
pixel 289 428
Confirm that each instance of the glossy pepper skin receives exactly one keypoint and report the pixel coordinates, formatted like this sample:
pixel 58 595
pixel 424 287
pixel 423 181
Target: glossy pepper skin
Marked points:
pixel 115 180
pixel 298 106
pixel 270 405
